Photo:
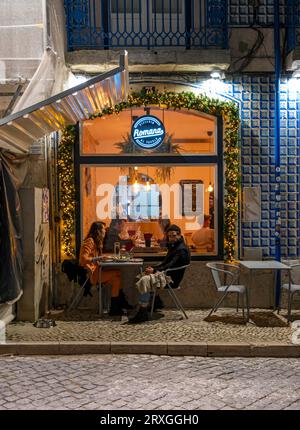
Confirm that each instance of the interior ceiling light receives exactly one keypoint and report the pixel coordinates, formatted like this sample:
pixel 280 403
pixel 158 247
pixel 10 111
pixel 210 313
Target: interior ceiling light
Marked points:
pixel 210 188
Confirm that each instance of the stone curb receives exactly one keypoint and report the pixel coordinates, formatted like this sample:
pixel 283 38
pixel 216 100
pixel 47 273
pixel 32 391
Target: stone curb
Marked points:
pixel 202 349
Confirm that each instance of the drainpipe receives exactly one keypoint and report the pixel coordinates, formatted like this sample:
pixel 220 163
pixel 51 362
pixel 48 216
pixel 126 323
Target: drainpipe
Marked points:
pixel 277 52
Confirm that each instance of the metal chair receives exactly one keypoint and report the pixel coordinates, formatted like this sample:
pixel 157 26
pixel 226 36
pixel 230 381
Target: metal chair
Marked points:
pixel 227 284
pixel 291 288
pixel 171 292
pixel 103 291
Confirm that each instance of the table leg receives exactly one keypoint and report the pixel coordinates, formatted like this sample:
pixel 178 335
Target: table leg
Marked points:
pixel 100 292
pixel 249 294
pixel 275 290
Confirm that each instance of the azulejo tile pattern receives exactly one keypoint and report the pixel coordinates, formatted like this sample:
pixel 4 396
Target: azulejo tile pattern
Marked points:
pixel 245 12
pixel 257 98
pixel 256 95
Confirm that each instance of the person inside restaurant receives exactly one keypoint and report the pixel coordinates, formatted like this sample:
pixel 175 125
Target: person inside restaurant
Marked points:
pixel 90 250
pixel 203 238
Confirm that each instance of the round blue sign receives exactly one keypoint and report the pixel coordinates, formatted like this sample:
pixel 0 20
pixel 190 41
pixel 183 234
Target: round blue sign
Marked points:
pixel 148 132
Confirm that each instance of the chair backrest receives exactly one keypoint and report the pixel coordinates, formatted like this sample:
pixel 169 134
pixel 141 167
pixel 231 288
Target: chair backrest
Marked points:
pixel 295 273
pixel 179 275
pixel 174 269
pixel 224 274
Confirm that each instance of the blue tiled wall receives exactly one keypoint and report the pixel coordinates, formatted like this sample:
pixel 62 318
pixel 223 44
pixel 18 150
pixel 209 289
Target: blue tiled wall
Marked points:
pixel 258 164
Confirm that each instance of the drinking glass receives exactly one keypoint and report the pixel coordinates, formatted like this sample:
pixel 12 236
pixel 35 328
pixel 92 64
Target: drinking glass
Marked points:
pixel 117 249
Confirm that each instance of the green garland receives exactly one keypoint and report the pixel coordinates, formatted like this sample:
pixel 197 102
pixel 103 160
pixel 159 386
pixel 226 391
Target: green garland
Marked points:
pixel 67 190
pixel 170 100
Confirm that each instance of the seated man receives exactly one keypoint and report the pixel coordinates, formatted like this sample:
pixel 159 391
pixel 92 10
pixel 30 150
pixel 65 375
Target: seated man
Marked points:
pixel 204 237
pixel 178 255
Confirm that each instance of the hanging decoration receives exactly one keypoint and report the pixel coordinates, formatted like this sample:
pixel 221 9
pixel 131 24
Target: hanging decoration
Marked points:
pixel 67 190
pixel 168 100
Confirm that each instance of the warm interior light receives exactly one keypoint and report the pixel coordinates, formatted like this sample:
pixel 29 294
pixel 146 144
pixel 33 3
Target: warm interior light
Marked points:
pixel 210 188
pixel 135 168
pixel 148 186
pixel 136 186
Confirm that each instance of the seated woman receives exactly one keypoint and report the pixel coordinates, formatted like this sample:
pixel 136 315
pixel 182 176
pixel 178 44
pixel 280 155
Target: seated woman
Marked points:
pixel 92 248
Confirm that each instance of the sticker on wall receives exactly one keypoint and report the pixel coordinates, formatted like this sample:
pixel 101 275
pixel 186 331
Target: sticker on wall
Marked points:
pixel 148 132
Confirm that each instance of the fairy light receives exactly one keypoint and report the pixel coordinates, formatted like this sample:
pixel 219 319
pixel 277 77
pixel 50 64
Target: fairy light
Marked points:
pixel 210 188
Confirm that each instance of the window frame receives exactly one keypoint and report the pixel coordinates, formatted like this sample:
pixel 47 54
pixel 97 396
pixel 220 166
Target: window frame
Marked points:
pixel 142 160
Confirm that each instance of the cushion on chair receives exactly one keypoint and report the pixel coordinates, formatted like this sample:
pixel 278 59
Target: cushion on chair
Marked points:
pixel 294 287
pixel 233 289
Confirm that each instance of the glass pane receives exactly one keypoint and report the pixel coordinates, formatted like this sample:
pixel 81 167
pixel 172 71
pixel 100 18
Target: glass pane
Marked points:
pixel 166 6
pixel 137 204
pixel 127 6
pixel 187 132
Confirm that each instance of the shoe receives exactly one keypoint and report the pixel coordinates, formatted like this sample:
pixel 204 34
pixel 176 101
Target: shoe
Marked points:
pixel 115 307
pixel 140 317
pixel 158 304
pixel 123 302
pixel 87 292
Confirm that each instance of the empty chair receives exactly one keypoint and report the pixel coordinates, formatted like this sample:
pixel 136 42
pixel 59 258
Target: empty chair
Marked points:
pixel 171 290
pixel 225 277
pixel 292 287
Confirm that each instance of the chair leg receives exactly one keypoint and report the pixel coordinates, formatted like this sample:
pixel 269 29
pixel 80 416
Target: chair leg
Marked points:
pixel 247 304
pixel 290 300
pixel 75 302
pixel 217 304
pixel 279 303
pixel 243 309
pixel 152 303
pixel 176 301
pixel 237 301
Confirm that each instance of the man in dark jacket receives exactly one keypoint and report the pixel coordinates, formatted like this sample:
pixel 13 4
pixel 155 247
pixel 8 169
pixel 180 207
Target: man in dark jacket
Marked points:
pixel 178 255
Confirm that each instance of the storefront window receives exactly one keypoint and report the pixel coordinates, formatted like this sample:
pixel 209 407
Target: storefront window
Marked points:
pixel 146 168
pixel 187 132
pixel 137 203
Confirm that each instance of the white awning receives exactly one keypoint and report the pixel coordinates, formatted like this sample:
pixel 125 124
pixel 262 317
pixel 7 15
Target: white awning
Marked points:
pixel 19 130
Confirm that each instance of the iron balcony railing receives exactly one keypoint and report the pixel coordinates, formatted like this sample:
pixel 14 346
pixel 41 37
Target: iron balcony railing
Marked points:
pixel 104 24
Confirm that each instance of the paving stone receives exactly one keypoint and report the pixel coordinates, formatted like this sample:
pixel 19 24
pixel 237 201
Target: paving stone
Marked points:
pixel 167 329
pixel 150 382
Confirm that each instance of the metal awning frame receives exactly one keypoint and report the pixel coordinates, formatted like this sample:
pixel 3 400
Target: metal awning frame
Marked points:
pixel 78 103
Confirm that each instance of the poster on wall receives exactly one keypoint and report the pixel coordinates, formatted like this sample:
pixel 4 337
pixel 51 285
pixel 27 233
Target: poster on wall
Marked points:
pixel 251 204
pixel 192 192
pixel 45 206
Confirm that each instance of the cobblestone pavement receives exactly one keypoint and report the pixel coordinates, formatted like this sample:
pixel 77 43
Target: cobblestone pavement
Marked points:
pixel 225 326
pixel 138 382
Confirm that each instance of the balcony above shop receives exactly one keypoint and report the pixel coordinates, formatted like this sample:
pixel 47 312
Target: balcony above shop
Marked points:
pixel 160 35
pixel 154 60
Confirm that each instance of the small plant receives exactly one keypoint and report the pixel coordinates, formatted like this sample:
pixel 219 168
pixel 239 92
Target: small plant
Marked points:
pixel 163 174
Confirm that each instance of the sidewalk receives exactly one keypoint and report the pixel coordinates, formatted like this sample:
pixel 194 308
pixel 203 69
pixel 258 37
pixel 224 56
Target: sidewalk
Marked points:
pixel 224 334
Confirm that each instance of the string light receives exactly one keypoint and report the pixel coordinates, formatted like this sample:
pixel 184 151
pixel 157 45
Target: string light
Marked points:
pixel 169 100
pixel 148 186
pixel 210 188
pixel 67 190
